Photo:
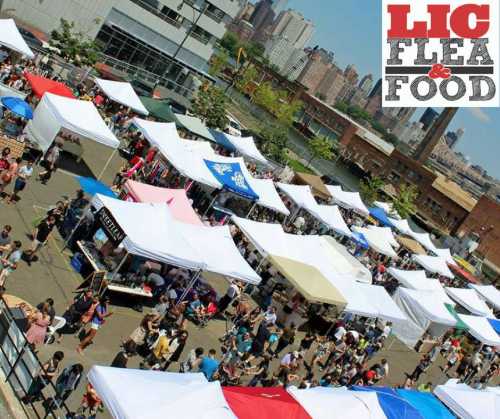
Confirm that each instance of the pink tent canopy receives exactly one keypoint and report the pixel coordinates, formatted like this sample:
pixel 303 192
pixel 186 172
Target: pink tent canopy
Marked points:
pixel 177 200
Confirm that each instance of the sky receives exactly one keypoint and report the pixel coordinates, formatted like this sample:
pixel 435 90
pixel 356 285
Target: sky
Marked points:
pixel 352 30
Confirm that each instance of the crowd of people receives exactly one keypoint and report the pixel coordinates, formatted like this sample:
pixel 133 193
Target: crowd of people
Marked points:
pixel 258 347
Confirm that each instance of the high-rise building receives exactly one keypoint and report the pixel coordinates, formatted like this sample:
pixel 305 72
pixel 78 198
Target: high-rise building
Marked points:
pixel 366 84
pixel 295 64
pixel 292 25
pixel 434 134
pixel 351 74
pixel 279 6
pixel 377 89
pixel 279 50
pixel 452 138
pixel 262 19
pixel 428 118
pixel 316 68
pixel 332 85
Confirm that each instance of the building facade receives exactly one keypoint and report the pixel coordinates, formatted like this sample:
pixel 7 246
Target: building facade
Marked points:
pixel 291 24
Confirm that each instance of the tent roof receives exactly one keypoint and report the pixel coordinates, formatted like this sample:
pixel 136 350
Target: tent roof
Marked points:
pixel 176 199
pixel 388 207
pixel 393 406
pixel 425 240
pixel 91 187
pixel 434 264
pixel 268 195
pixel 338 403
pixel 430 304
pixel 160 237
pixel 12 38
pixel 402 225
pixel 380 215
pixel 386 232
pixel 41 85
pixel 446 255
pixel 332 217
pixel 78 116
pixel 469 299
pixel 349 200
pixel 123 93
pixel 412 245
pixel 246 147
pixel 263 403
pixel 315 182
pixel 158 108
pixel 130 393
pixel 489 293
pixel 377 240
pixel 481 329
pixel 426 403
pixel 231 176
pixel 194 125
pixel 468 403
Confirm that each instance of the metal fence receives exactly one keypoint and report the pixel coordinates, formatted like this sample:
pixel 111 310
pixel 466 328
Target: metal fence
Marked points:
pixel 21 367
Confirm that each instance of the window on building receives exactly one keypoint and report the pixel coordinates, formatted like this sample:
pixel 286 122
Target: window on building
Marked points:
pixel 214 12
pixel 394 177
pixel 165 13
pixel 201 35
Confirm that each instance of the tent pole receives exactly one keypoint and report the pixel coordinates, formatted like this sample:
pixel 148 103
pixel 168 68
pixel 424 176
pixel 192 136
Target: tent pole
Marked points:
pixel 119 266
pixel 195 278
pixel 107 164
pixel 211 204
pixel 75 227
pixel 251 209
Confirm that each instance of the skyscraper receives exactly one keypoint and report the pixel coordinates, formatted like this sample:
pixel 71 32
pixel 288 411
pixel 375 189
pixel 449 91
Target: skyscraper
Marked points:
pixel 452 138
pixel 291 24
pixel 262 18
pixel 377 89
pixel 428 118
pixel 366 83
pixel 351 74
pixel 279 6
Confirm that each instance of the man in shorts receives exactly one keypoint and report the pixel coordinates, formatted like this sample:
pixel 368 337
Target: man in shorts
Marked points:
pixel 41 236
pixel 8 264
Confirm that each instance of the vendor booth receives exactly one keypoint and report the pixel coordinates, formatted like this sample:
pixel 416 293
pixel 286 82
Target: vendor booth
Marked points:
pixel 434 265
pixel 246 147
pixel 195 126
pixel 411 245
pixel 378 241
pixel 55 113
pixel 41 85
pixel 12 38
pixel 469 299
pixel 318 188
pixel 481 329
pixel 129 393
pixel 425 240
pixel 402 226
pixel 122 93
pixel 489 293
pixel 348 200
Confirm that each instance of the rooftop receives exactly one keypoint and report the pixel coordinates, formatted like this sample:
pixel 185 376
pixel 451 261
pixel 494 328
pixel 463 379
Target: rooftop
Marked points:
pixel 454 192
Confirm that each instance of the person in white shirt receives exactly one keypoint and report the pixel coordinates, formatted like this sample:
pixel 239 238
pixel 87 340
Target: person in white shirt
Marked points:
pixel 270 315
pixel 23 174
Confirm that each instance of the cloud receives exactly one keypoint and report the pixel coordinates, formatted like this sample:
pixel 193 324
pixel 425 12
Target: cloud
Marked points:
pixel 478 113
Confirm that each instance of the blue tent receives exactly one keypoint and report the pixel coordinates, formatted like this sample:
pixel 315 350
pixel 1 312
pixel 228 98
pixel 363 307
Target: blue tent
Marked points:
pixel 91 187
pixel 232 178
pixel 380 215
pixel 426 403
pixel 360 239
pixel 495 324
pixel 221 139
pixel 17 106
pixel 393 405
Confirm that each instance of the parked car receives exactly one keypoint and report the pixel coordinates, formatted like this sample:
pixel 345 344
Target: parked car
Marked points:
pixel 233 127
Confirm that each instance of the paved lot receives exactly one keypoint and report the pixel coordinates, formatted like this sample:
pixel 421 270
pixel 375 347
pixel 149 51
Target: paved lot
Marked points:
pixel 53 277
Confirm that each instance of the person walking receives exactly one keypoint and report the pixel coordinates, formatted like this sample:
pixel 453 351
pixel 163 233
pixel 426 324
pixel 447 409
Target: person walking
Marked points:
pixel 38 328
pixel 48 371
pixel 67 382
pixel 50 163
pixel 9 263
pixel 98 319
pixel 23 174
pixel 41 236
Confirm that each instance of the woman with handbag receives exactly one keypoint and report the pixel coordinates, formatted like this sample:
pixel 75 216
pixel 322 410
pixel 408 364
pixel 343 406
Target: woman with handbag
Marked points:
pixel 98 318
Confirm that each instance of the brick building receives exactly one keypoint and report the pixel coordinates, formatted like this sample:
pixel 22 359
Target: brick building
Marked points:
pixel 484 221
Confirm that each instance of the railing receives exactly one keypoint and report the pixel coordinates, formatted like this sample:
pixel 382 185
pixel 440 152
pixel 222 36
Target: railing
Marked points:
pixel 21 367
pixel 158 13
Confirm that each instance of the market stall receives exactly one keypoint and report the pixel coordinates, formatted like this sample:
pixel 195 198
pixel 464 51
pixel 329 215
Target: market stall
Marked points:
pixel 378 241
pixel 122 93
pixel 41 85
pixel 12 38
pixel 481 329
pixel 246 147
pixel 425 240
pixel 488 293
pixel 402 226
pixel 318 188
pixel 469 299
pixel 381 216
pixel 195 126
pixel 411 245
pixel 348 200
pixel 434 264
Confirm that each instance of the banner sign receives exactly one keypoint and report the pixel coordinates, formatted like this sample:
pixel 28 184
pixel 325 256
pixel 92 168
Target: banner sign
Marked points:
pixel 440 53
pixel 110 226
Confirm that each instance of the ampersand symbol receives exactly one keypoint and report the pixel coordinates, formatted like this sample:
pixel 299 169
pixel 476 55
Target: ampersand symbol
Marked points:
pixel 439 71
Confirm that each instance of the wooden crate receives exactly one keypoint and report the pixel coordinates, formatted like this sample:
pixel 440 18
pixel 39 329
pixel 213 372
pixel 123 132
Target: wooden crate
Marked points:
pixel 16 148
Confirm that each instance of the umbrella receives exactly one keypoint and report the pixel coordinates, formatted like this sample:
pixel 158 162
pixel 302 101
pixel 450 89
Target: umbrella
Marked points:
pixel 17 106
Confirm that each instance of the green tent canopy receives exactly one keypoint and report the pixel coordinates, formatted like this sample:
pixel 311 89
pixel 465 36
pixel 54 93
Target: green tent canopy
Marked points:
pixel 159 108
pixel 460 324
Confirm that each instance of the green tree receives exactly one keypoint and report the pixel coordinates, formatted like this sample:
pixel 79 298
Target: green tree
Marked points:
pixel 74 46
pixel 285 113
pixel 274 142
pixel 248 75
pixel 230 42
pixel 404 202
pixel 320 148
pixel 265 96
pixel 218 63
pixel 369 189
pixel 210 106
pixel 254 50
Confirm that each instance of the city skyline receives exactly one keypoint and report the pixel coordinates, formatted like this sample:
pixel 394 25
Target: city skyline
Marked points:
pixel 335 31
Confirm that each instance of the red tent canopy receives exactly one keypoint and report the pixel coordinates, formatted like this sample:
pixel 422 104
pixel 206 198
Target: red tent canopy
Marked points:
pixel 40 85
pixel 263 403
pixel 464 274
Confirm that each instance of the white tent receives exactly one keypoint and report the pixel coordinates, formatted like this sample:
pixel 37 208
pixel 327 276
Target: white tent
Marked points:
pixel 268 195
pixel 469 299
pixel 195 126
pixel 152 232
pixel 11 38
pixel 481 329
pixel 122 93
pixel 446 255
pixel 378 304
pixel 488 293
pixel 348 200
pixel 467 403
pixel 425 240
pixel 386 232
pixel 303 197
pixel 338 403
pixel 377 241
pixel 246 147
pixel 417 280
pixel 402 226
pixel 81 117
pixel 434 264
pixel 423 309
pixel 131 394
